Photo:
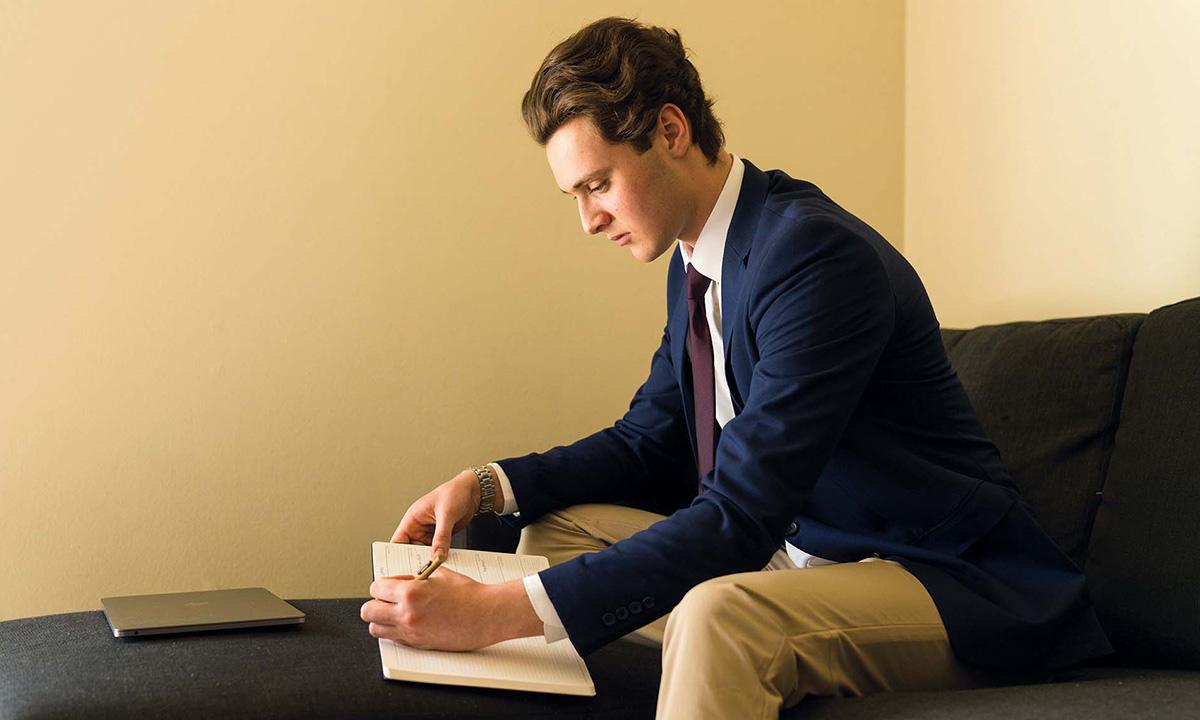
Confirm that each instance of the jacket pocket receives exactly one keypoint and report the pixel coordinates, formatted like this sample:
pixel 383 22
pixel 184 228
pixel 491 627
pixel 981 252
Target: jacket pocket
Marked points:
pixel 973 518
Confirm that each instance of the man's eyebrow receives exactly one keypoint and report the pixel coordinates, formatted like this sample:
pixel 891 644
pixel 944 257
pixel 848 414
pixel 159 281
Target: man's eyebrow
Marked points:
pixel 588 178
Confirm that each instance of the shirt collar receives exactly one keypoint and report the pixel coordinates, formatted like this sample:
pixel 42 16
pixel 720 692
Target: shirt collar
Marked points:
pixel 710 246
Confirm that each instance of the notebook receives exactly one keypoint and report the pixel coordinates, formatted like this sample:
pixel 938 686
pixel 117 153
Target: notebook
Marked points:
pixel 529 664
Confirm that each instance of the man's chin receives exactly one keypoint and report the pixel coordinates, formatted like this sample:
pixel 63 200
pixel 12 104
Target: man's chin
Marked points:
pixel 647 255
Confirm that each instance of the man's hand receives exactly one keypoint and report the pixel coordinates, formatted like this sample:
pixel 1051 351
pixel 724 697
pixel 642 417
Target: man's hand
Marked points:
pixel 445 510
pixel 449 611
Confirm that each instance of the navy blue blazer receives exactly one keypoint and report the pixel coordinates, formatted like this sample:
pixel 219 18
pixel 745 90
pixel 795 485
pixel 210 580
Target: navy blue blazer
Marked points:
pixel 852 437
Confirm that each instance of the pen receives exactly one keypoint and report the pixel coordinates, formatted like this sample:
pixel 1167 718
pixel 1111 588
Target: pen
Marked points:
pixel 423 574
pixel 434 563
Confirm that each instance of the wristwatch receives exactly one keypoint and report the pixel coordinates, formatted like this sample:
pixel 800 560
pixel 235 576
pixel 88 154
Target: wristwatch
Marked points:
pixel 487 489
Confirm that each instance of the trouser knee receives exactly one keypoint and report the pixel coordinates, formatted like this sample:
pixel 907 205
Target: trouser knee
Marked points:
pixel 710 607
pixel 538 536
pixel 556 538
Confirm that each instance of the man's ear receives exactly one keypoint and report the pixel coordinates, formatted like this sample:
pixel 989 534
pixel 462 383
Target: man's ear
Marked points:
pixel 675 129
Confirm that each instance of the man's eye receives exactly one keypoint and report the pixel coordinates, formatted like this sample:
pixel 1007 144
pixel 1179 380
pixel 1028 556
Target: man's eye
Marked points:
pixel 598 187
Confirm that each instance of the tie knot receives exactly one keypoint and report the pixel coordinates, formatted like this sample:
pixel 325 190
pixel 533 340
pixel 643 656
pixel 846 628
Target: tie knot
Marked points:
pixel 697 284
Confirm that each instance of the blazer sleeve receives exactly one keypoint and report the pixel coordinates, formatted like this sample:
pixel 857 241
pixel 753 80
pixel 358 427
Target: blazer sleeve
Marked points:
pixel 820 313
pixel 645 459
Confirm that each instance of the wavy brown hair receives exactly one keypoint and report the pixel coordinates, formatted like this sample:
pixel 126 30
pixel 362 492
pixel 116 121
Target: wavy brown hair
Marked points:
pixel 619 73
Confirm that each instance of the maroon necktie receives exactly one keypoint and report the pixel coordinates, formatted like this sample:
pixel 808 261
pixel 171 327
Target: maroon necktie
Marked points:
pixel 701 353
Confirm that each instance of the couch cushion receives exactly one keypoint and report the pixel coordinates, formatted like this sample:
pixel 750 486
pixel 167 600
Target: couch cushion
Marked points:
pixel 70 666
pixel 1048 394
pixel 1144 559
pixel 1118 695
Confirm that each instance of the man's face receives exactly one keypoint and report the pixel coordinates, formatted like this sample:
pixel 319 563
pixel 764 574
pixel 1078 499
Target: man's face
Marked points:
pixel 620 193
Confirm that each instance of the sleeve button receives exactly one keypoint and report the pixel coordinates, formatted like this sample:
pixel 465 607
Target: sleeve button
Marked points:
pixel 647 602
pixel 635 607
pixel 622 613
pixel 608 618
pixel 791 529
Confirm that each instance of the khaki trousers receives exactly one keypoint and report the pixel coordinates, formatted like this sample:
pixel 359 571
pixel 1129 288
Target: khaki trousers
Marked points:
pixel 746 645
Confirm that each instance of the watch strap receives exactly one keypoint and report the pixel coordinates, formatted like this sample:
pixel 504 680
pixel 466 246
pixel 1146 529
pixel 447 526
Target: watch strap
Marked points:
pixel 487 489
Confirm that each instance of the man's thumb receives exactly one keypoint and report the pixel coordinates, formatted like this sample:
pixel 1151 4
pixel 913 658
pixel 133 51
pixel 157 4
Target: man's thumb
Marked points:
pixel 441 536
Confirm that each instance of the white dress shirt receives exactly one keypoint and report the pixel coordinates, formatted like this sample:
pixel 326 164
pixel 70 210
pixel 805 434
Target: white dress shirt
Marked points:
pixel 707 256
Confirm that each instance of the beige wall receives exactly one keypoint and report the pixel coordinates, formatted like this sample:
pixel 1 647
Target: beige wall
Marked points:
pixel 1053 156
pixel 270 270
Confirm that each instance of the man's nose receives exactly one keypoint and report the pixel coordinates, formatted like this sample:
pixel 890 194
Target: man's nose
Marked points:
pixel 594 219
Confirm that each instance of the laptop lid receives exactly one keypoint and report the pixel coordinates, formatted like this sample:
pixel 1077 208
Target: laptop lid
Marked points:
pixel 164 613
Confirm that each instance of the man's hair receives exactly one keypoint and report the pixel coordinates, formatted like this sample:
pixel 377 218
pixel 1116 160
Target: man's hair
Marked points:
pixel 619 73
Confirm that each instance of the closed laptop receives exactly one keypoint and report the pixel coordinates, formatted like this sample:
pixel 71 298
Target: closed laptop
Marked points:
pixel 165 613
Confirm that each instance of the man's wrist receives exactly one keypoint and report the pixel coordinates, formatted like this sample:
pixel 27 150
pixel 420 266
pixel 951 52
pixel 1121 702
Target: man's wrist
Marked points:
pixel 472 483
pixel 498 503
pixel 514 614
pixel 486 478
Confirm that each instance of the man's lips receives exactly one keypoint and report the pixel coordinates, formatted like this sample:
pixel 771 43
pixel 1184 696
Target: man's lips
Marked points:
pixel 621 240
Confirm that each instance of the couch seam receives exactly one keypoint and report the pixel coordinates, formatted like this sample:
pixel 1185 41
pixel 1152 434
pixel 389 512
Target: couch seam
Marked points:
pixel 1109 441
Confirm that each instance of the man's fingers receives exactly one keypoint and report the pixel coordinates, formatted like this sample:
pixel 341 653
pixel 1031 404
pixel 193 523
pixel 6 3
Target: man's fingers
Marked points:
pixel 393 633
pixel 373 611
pixel 377 630
pixel 409 535
pixel 403 532
pixel 415 526
pixel 380 612
pixel 389 589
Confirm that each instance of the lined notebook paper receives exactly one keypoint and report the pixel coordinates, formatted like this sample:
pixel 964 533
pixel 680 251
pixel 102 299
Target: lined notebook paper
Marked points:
pixel 523 664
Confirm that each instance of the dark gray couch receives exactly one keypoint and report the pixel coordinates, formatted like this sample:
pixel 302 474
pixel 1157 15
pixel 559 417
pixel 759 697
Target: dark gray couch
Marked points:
pixel 1098 418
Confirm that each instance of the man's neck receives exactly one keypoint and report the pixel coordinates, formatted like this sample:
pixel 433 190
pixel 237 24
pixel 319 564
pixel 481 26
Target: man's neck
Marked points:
pixel 710 182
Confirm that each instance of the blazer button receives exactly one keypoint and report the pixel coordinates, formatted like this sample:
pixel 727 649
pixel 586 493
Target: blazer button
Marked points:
pixel 608 618
pixel 635 607
pixel 647 602
pixel 791 529
pixel 622 613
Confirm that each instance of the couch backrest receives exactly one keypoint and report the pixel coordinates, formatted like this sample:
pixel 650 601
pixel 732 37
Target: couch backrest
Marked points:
pixel 1048 394
pixel 1143 562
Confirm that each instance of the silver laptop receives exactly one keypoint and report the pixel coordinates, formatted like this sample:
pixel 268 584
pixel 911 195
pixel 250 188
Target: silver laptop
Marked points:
pixel 131 615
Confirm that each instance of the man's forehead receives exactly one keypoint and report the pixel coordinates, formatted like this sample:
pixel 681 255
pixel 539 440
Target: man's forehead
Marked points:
pixel 578 154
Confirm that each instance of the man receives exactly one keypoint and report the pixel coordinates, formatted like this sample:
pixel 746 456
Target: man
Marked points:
pixel 801 482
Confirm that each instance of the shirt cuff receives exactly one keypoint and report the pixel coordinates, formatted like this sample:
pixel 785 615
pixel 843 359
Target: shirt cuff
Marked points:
pixel 510 500
pixel 551 624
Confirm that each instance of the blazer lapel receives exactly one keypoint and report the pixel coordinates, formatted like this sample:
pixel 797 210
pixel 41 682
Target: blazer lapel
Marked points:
pixel 677 329
pixel 733 267
pixel 738 244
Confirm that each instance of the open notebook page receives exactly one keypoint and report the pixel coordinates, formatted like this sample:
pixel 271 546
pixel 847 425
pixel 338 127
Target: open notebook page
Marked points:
pixel 521 664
